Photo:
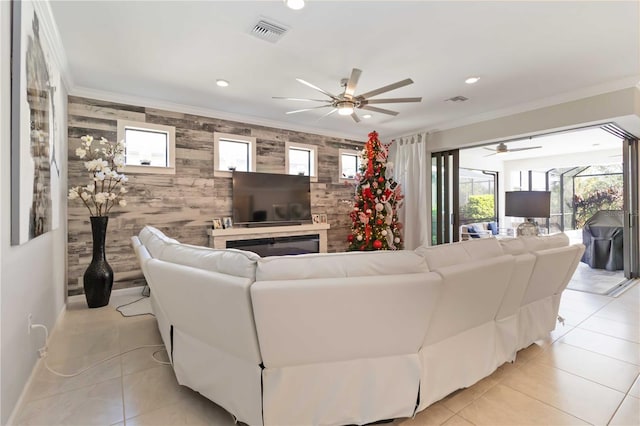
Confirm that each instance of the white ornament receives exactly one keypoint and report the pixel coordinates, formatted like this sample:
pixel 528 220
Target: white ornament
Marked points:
pixel 368 211
pixel 355 209
pixel 359 238
pixel 379 191
pixel 384 232
pixel 379 207
pixel 396 240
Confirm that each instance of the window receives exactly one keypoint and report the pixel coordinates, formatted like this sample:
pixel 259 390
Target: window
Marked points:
pixel 233 152
pixel 349 163
pixel 149 148
pixel 301 159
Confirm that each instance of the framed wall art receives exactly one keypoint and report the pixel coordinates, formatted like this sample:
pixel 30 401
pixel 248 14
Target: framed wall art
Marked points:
pixel 36 123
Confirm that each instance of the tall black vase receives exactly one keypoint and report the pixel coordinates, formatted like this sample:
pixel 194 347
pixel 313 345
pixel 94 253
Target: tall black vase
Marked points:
pixel 98 278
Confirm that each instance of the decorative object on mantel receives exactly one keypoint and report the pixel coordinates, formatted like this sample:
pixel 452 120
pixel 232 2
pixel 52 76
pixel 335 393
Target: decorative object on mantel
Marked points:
pixel 375 212
pixel 104 161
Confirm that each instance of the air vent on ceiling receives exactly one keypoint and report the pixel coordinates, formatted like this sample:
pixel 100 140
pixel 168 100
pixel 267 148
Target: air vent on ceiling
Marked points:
pixel 268 31
pixel 457 99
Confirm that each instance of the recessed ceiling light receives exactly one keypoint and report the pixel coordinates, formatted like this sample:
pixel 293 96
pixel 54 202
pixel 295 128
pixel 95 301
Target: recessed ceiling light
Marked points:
pixel 366 116
pixel 294 4
pixel 222 83
pixel 472 80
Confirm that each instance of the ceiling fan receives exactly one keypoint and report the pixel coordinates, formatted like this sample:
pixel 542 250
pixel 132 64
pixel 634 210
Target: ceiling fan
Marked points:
pixel 502 148
pixel 347 102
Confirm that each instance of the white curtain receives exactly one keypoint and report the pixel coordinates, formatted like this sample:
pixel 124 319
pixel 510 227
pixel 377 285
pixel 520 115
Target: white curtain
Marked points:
pixel 412 169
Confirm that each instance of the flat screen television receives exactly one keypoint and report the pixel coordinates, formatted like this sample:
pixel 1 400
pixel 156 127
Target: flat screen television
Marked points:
pixel 270 199
pixel 527 204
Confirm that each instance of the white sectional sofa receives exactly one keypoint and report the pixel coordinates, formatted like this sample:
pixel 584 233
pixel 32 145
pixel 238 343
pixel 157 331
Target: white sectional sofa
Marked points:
pixel 349 338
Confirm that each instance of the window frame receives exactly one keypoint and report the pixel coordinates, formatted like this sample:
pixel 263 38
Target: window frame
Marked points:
pixel 313 163
pixel 170 169
pixel 350 152
pixel 249 140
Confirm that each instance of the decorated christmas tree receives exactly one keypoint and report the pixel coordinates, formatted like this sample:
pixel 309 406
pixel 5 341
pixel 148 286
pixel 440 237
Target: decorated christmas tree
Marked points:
pixel 377 199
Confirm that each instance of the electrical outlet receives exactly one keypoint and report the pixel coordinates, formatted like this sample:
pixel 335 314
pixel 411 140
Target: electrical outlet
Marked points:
pixel 29 321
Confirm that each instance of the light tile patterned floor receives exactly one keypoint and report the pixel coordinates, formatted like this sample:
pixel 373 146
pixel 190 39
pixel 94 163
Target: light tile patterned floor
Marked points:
pixel 586 372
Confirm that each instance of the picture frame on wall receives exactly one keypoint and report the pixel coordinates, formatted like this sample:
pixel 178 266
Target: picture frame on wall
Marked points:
pixel 323 218
pixel 36 124
pixel 217 223
pixel 227 222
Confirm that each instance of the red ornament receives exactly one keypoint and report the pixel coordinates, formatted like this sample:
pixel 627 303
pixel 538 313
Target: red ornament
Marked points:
pixel 377 244
pixel 379 222
pixel 381 179
pixel 350 238
pixel 362 248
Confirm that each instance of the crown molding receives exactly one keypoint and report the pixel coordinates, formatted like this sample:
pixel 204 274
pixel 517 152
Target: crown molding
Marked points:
pixel 52 35
pixel 108 96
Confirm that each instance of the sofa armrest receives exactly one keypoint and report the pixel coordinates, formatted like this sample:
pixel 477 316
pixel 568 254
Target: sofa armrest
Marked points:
pixel 212 307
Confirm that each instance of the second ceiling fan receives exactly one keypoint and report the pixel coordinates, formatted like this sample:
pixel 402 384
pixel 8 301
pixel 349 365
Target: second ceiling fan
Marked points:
pixel 347 102
pixel 502 148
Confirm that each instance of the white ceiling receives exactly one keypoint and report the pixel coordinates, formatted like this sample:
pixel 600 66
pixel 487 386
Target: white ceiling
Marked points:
pixel 525 53
pixel 595 145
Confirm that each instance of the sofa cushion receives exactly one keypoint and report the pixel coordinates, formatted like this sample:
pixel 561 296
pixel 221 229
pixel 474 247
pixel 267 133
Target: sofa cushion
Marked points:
pixel 544 242
pixel 338 265
pixel 483 248
pixel 444 255
pixel 514 246
pixel 154 240
pixel 238 263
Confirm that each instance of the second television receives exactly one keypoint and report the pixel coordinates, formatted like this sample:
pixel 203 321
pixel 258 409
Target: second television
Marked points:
pixel 270 199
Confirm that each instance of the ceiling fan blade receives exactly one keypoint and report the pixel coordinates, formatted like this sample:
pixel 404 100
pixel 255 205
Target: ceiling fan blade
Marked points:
pixel 300 99
pixel 306 109
pixel 306 83
pixel 391 100
pixel 380 110
pixel 489 155
pixel 353 81
pixel 328 114
pixel 489 149
pixel 524 149
pixel 388 88
pixel 355 117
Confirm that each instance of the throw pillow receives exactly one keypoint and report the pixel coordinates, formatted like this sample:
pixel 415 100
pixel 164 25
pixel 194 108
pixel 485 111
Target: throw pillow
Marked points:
pixel 493 227
pixel 473 232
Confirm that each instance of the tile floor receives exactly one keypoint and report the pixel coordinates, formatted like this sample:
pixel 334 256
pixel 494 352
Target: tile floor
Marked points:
pixel 586 372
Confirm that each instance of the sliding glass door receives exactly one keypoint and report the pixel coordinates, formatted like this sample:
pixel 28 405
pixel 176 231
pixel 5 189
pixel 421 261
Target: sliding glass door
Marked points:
pixel 445 200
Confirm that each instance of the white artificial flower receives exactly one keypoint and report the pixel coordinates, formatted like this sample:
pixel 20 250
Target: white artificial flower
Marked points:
pixel 85 196
pixel 90 165
pixel 124 179
pixel 91 187
pixel 103 141
pixel 99 176
pixel 123 203
pixel 123 190
pixel 112 196
pixel 118 160
pixel 101 198
pixel 73 194
pixel 80 152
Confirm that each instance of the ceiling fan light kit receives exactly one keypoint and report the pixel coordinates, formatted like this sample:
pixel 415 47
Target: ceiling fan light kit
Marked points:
pixel 348 102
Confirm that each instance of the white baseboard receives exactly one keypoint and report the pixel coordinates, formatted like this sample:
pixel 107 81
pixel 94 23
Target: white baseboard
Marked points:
pixel 17 408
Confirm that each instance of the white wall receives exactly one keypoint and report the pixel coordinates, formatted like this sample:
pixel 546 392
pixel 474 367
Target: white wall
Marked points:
pixel 31 275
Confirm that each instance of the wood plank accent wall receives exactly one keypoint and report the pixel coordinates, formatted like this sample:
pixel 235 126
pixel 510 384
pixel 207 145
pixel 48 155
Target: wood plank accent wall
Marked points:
pixel 182 205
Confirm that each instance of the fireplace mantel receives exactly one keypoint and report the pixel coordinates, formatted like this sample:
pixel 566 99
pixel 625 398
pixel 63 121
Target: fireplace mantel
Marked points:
pixel 218 237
